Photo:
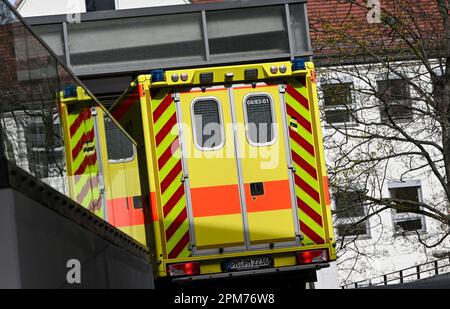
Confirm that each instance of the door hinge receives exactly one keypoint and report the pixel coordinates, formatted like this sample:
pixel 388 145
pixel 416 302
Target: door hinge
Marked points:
pixel 282 88
pixel 184 177
pixel 292 168
pixel 176 97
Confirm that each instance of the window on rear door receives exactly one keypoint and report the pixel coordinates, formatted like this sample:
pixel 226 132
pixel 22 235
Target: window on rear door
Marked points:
pixel 259 117
pixel 119 146
pixel 207 124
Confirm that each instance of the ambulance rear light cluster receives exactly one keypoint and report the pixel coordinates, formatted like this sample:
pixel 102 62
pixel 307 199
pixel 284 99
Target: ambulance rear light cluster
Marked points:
pixel 274 69
pixel 183 76
pixel 184 269
pixel 312 256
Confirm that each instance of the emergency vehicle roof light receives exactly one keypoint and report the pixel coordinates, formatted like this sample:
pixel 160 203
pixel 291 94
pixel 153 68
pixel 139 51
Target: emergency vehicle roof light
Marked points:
pixel 157 76
pixel 70 91
pixel 298 64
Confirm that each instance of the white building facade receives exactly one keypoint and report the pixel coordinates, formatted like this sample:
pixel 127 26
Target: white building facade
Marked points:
pixel 388 241
pixel 29 8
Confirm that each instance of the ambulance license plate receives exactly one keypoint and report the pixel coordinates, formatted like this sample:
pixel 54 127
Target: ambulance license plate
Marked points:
pixel 248 263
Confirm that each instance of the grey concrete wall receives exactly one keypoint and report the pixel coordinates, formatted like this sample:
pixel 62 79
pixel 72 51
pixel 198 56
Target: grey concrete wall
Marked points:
pixel 36 243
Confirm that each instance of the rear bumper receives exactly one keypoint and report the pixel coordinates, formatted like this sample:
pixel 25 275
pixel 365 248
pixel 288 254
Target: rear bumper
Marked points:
pixel 250 273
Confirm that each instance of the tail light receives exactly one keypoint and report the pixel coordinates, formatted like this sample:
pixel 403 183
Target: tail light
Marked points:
pixel 184 269
pixel 312 256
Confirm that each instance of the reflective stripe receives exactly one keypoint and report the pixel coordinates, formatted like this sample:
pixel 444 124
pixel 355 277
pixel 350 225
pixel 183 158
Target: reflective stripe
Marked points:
pixel 175 225
pixel 86 138
pixel 297 96
pixel 162 107
pixel 304 165
pixel 131 99
pixel 171 177
pixel 205 201
pixel 165 130
pixel 301 141
pixel 304 158
pixel 168 156
pixel 327 191
pixel 84 173
pixel 299 118
pixel 123 213
pixel 168 153
pixel 277 196
pixel 180 250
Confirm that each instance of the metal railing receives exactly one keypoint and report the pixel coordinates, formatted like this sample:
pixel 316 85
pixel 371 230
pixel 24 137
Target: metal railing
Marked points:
pixel 405 275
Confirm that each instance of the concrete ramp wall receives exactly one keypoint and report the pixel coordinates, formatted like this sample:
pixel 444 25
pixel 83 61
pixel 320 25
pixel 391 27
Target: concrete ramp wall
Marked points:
pixel 40 246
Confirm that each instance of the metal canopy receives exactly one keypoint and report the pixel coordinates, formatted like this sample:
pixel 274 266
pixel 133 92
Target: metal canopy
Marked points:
pixel 139 40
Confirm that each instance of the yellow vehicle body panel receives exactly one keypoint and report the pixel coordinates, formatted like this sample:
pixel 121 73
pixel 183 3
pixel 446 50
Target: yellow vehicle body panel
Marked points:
pixel 212 177
pixel 122 187
pixel 221 161
pixel 227 228
pixel 274 225
pixel 82 155
pixel 261 163
pixel 271 220
pixel 90 171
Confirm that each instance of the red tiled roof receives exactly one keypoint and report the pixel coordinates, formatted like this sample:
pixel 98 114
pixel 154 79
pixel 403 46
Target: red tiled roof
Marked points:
pixel 340 27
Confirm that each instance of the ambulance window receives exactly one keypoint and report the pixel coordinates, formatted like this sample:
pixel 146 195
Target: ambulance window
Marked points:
pixel 259 117
pixel 207 124
pixel 119 147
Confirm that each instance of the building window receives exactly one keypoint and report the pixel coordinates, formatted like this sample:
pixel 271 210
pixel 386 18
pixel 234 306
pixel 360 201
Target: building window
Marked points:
pixel 100 5
pixel 259 116
pixel 45 151
pixel 438 94
pixel 349 210
pixel 395 99
pixel 405 221
pixel 338 102
pixel 208 125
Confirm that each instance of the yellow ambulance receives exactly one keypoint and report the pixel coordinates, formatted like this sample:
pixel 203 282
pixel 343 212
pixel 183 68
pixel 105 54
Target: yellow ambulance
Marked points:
pixel 231 160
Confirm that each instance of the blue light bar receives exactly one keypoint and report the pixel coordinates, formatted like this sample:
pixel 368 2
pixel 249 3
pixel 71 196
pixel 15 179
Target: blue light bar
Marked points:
pixel 70 91
pixel 298 64
pixel 157 76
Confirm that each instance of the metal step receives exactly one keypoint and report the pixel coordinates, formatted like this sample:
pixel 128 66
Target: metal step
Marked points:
pixel 139 40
